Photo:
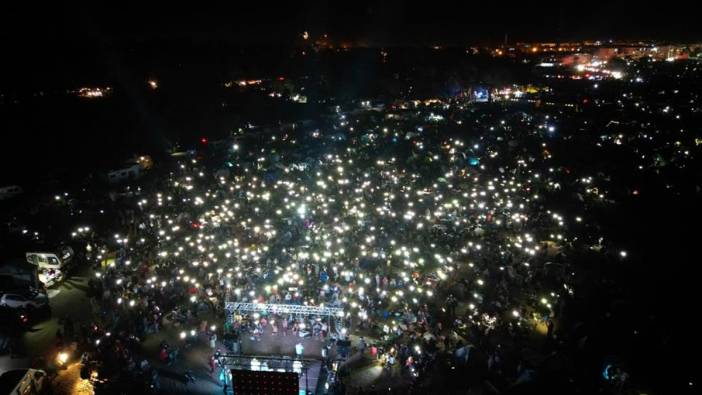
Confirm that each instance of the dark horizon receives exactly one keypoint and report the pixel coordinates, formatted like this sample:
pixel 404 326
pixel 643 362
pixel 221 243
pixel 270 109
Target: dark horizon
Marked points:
pixel 389 23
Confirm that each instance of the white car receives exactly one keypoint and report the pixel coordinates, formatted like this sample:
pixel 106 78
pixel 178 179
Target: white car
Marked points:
pixel 23 381
pixel 16 301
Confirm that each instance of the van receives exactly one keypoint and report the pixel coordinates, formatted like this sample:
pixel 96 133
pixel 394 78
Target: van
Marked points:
pixel 10 191
pixel 44 260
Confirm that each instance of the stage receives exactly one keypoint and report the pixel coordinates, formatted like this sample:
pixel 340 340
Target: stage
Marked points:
pixel 270 352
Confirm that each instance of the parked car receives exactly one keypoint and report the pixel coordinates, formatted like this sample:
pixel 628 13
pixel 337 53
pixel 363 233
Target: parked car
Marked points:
pixel 24 381
pixel 17 301
pixel 12 323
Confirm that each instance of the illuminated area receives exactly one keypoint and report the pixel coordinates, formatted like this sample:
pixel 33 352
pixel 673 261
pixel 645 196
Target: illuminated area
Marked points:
pixel 93 93
pixel 351 198
pixel 371 225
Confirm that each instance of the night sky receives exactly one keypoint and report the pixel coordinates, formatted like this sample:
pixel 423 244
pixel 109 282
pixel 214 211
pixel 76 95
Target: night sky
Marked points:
pixel 391 22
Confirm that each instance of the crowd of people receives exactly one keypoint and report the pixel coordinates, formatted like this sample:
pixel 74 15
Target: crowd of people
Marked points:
pixel 430 245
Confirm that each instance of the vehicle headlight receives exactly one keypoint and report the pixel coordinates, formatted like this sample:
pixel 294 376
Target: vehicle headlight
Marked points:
pixel 62 357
